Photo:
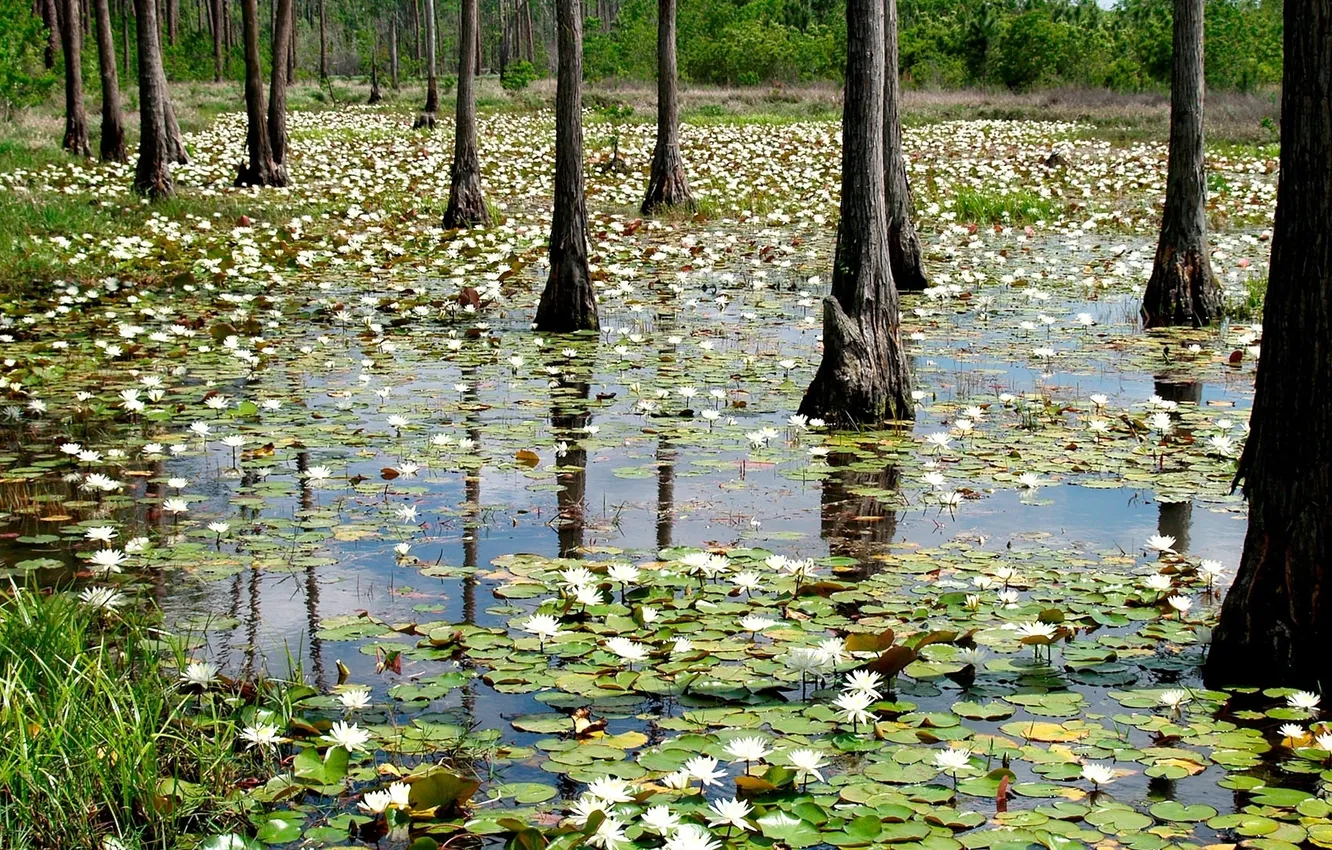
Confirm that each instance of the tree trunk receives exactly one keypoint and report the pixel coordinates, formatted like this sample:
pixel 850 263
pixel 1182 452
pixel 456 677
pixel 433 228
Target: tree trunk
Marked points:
pixel 51 17
pixel 290 76
pixel 531 45
pixel 260 169
pixel 375 95
pixel 172 14
pixel 152 173
pixel 426 120
pixel 1277 620
pixel 76 117
pixel 175 139
pixel 1182 289
pixel 393 49
pixel 323 40
pixel 667 184
pixel 467 204
pixel 863 377
pixel 215 9
pixel 903 244
pixel 124 36
pixel 416 22
pixel 277 91
pixel 112 147
pixel 567 303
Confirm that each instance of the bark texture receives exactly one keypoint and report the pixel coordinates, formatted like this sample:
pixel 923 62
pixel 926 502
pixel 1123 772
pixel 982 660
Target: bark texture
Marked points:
pixel 467 204
pixel 112 145
pixel 51 18
pixel 667 184
pixel 76 117
pixel 567 303
pixel 426 120
pixel 1182 289
pixel 277 90
pixel 1277 618
pixel 152 172
pixel 323 40
pixel 260 168
pixel 219 37
pixel 375 94
pixel 903 244
pixel 863 377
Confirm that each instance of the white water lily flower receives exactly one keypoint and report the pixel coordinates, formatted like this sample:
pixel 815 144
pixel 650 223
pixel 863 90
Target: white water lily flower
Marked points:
pixel 854 705
pixel 1303 700
pixel 730 813
pixel 199 673
pixel 756 623
pixel 704 769
pixel 102 598
pixel 261 735
pixel 1162 543
pixel 864 681
pixel 350 737
pixel 374 802
pixel 1097 774
pixel 660 820
pixel 543 626
pixel 806 763
pixel 610 789
pixel 748 749
pixel 400 795
pixel 1174 698
pixel 692 837
pixel 354 699
pixel 953 761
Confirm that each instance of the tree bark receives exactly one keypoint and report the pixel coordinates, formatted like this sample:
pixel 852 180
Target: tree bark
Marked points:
pixel 375 95
pixel 112 146
pixel 393 49
pixel 175 139
pixel 219 25
pixel 152 172
pixel 51 17
pixel 863 377
pixel 323 40
pixel 568 303
pixel 260 169
pixel 426 120
pixel 172 14
pixel 667 184
pixel 76 117
pixel 290 76
pixel 277 91
pixel 1182 289
pixel 467 203
pixel 903 244
pixel 1277 618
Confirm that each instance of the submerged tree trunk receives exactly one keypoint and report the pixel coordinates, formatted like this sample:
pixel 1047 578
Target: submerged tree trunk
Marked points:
pixel 426 120
pixel 152 173
pixel 1277 618
pixel 903 244
pixel 567 303
pixel 260 169
pixel 277 91
pixel 863 377
pixel 112 146
pixel 667 184
pixel 467 204
pixel 1182 289
pixel 76 117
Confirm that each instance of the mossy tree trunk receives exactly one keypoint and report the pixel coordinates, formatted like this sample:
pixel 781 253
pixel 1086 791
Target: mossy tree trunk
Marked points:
pixel 567 303
pixel 1276 621
pixel 467 203
pixel 863 377
pixel 1182 289
pixel 112 145
pixel 667 184
pixel 903 244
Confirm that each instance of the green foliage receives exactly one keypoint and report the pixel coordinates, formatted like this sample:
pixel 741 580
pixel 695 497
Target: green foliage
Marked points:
pixel 23 78
pixel 1001 207
pixel 518 76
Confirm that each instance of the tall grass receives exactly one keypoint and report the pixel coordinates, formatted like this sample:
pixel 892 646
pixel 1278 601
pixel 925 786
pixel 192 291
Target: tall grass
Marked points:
pixel 997 207
pixel 97 745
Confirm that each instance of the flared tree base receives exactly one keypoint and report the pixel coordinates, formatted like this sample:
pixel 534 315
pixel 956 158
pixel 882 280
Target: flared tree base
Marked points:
pixel 668 188
pixel 1181 291
pixel 860 381
pixel 424 121
pixel 567 304
pixel 467 208
pixel 904 257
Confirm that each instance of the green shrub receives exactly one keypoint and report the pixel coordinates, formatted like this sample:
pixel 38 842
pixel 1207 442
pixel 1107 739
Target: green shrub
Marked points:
pixel 518 76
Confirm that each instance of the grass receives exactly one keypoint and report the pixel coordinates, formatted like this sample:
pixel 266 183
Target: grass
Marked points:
pixel 1249 306
pixel 995 207
pixel 97 741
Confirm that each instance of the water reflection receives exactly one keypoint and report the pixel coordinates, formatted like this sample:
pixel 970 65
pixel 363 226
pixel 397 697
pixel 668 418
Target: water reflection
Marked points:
pixel 855 524
pixel 1178 391
pixel 569 417
pixel 666 456
pixel 1175 521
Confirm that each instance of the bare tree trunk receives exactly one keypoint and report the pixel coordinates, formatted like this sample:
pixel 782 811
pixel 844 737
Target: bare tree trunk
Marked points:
pixel 1182 289
pixel 903 244
pixel 172 13
pixel 504 40
pixel 416 22
pixel 152 173
pixel 215 10
pixel 531 45
pixel 426 120
pixel 112 147
pixel 393 49
pixel 260 169
pixel 667 184
pixel 290 76
pixel 51 17
pixel 175 139
pixel 467 204
pixel 277 91
pixel 568 303
pixel 76 117
pixel 125 8
pixel 863 377
pixel 375 95
pixel 1277 618
pixel 323 40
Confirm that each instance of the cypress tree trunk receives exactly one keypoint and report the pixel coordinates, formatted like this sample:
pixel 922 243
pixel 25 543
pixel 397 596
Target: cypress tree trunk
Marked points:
pixel 393 49
pixel 112 147
pixel 1277 618
pixel 277 92
pixel 1182 289
pixel 375 95
pixel 903 244
pixel 863 377
pixel 175 140
pixel 667 184
pixel 323 40
pixel 567 303
pixel 426 120
pixel 219 25
pixel 260 169
pixel 172 13
pixel 51 18
pixel 152 173
pixel 76 117
pixel 290 76
pixel 467 204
